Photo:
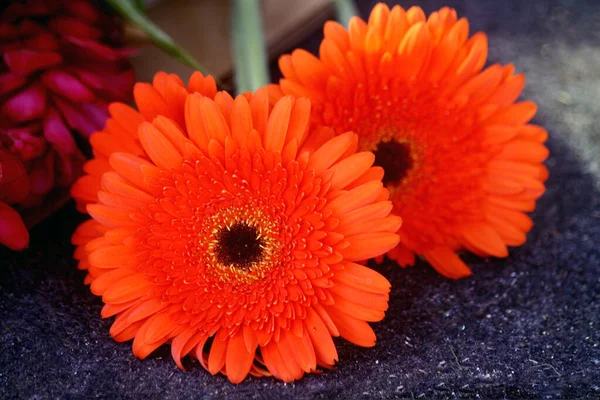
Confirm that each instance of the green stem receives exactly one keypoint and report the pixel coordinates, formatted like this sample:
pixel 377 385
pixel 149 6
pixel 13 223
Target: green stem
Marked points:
pixel 141 5
pixel 344 10
pixel 249 50
pixel 129 10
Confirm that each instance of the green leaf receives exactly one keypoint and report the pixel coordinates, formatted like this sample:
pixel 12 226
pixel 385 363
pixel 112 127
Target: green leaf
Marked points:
pixel 141 5
pixel 249 50
pixel 130 11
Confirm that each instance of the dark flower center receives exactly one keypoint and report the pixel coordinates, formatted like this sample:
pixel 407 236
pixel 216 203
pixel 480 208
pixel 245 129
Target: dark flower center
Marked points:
pixel 395 159
pixel 239 245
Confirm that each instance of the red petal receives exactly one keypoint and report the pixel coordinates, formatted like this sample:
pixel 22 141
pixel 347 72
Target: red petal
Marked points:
pixel 68 26
pixel 24 62
pixel 57 133
pixel 7 32
pixel 67 86
pixel 44 42
pixel 86 118
pixel 42 175
pixel 14 182
pixel 28 28
pixel 29 9
pixel 96 50
pixel 83 10
pixel 89 78
pixel 117 86
pixel 27 105
pixel 13 233
pixel 68 168
pixel 9 46
pixel 10 81
pixel 26 141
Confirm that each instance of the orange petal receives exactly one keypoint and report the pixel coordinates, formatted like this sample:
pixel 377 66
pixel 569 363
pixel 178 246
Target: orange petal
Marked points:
pixel 275 363
pixel 515 114
pixel 396 27
pixel 330 152
pixel 299 121
pixel 364 215
pixel 206 86
pixel 178 344
pixel 414 50
pixel 378 18
pixel 140 348
pixel 113 182
pixel 149 101
pixel 486 239
pixel 173 133
pixel 358 311
pixel 129 167
pixel 127 289
pixel 308 68
pixel 241 120
pixel 111 257
pixel 352 329
pixel 415 14
pixel 524 150
pixel 277 125
pixel 301 349
pixel 159 329
pixel 214 122
pixel 350 169
pixel 357 30
pixel 508 91
pixel 108 217
pixel 325 350
pixel 238 359
pixel 510 234
pixel 217 355
pixel 372 301
pixel 193 121
pixel 128 118
pixel 259 106
pixel 333 58
pixel 446 262
pixel 361 278
pixel 160 150
pixel 367 245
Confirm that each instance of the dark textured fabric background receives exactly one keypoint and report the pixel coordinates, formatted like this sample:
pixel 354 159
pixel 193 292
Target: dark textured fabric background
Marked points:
pixel 524 327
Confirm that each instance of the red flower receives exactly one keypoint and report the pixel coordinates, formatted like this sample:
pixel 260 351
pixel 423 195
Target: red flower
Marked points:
pixel 62 63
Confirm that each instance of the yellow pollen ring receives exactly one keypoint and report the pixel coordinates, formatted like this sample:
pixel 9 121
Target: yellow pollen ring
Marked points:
pixel 267 230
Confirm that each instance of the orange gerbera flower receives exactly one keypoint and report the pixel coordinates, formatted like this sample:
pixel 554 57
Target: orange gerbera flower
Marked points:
pixel 223 230
pixel 461 162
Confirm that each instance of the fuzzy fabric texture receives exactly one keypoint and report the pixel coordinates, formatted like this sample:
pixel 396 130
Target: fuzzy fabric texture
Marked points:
pixel 524 327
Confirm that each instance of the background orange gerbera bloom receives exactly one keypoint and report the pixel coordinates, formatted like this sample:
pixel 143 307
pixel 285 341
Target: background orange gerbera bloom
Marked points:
pixel 461 161
pixel 220 228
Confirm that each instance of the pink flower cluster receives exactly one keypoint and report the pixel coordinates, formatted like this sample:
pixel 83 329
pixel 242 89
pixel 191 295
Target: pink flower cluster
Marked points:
pixel 62 63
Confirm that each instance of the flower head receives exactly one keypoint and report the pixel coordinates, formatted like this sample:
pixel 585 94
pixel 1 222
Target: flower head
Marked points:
pixel 61 63
pixel 461 162
pixel 223 227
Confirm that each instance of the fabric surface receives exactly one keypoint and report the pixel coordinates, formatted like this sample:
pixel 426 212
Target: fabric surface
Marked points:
pixel 524 327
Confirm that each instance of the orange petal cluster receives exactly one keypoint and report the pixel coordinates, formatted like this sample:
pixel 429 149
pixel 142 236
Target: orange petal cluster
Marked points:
pixel 463 164
pixel 231 229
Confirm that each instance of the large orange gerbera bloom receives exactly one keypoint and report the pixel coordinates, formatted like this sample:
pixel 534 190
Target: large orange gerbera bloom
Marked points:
pixel 461 161
pixel 225 232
